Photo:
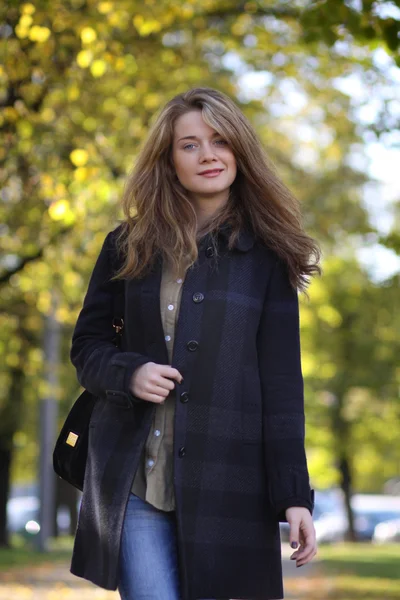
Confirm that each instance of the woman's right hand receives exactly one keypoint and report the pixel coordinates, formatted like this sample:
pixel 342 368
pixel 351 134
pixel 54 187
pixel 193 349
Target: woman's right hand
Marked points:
pixel 152 382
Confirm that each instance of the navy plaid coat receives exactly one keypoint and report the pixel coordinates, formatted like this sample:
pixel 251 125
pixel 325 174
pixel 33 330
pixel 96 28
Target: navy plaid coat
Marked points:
pixel 239 458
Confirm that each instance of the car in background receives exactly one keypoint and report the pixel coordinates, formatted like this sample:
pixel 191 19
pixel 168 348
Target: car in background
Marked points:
pixel 23 516
pixel 387 532
pixel 369 511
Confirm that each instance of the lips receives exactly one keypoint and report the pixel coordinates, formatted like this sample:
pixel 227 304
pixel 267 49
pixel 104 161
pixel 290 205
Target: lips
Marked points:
pixel 211 172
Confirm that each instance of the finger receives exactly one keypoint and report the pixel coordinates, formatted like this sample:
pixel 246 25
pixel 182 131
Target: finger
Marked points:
pixel 305 550
pixel 170 372
pixel 294 534
pixel 158 390
pixel 308 549
pixel 153 398
pixel 165 383
pixel 305 555
pixel 306 559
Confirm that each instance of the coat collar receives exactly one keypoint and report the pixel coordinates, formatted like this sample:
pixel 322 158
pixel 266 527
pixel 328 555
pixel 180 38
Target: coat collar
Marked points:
pixel 245 240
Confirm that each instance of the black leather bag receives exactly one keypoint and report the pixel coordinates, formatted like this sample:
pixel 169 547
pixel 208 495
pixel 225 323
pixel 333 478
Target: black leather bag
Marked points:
pixel 71 448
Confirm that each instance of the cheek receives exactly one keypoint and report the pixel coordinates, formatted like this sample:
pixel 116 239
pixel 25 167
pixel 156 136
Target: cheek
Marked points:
pixel 182 166
pixel 231 162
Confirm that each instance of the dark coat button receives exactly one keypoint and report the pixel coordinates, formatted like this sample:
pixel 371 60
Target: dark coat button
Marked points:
pixel 182 452
pixel 192 345
pixel 198 297
pixel 209 252
pixel 184 397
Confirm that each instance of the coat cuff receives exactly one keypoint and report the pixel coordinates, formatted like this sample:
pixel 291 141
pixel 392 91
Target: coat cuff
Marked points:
pixel 120 371
pixel 295 501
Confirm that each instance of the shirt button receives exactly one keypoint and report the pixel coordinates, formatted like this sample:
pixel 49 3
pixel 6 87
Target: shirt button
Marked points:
pixel 179 280
pixel 170 307
pixel 182 452
pixel 198 297
pixel 167 338
pixel 150 462
pixel 157 432
pixel 192 345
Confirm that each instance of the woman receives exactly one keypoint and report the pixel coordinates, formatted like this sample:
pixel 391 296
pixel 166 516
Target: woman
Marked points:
pixel 196 448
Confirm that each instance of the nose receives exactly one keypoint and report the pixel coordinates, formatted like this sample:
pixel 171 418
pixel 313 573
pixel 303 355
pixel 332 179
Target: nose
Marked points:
pixel 207 153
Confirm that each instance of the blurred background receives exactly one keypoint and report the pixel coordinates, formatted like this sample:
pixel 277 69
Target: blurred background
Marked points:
pixel 80 82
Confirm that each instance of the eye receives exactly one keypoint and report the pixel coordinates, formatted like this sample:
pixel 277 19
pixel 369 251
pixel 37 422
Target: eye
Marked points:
pixel 222 142
pixel 188 146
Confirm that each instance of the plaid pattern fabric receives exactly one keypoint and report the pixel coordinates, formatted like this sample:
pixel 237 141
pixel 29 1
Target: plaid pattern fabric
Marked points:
pixel 239 457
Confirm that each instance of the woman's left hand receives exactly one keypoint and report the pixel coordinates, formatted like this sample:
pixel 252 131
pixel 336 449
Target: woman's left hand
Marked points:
pixel 302 534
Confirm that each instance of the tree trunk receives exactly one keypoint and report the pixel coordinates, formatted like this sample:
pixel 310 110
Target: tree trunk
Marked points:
pixel 5 462
pixel 345 482
pixel 9 421
pixel 341 433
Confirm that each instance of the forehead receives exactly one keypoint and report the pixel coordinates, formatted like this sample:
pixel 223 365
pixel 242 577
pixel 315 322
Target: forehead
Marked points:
pixel 192 123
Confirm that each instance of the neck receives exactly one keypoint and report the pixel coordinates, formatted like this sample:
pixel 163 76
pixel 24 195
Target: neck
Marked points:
pixel 205 208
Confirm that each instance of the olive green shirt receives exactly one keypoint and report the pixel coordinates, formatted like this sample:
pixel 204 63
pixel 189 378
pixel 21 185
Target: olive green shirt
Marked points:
pixel 154 478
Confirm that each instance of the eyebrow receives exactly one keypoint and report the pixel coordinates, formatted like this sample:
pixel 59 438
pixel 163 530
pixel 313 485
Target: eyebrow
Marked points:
pixel 194 137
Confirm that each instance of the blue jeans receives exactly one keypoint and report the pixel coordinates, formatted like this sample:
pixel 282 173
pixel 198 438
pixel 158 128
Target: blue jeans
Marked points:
pixel 148 567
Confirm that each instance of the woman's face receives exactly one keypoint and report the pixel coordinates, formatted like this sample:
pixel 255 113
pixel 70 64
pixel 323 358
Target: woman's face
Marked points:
pixel 198 148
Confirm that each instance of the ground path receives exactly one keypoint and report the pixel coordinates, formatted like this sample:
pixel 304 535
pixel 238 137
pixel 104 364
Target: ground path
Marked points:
pixel 53 581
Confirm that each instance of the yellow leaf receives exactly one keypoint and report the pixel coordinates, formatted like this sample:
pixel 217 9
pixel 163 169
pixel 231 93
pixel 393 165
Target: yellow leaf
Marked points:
pixel 318 292
pixel 146 27
pixel 79 157
pixel 11 360
pixel 21 32
pixel 44 301
pixel 308 365
pixel 119 63
pixel 59 188
pixel 39 34
pixel 28 8
pixel 105 7
pixel 130 64
pixel 88 35
pixel 58 209
pixel 81 174
pixel 73 92
pixel 24 129
pixel 26 21
pixel 330 315
pixel 10 113
pixel 138 21
pixel 327 370
pixel 90 124
pixel 187 12
pixel 98 68
pixel 84 58
pixel 151 101
pixel 48 115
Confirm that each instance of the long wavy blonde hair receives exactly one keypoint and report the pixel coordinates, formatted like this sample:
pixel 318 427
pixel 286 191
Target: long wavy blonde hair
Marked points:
pixel 160 217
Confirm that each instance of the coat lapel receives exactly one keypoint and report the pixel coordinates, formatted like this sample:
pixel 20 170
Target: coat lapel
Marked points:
pixel 150 308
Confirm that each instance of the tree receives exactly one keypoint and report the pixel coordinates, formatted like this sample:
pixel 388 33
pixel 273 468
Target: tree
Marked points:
pixel 354 377
pixel 80 85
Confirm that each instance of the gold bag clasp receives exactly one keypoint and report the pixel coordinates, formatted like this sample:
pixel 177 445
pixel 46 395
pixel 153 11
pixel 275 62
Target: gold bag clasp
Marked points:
pixel 72 439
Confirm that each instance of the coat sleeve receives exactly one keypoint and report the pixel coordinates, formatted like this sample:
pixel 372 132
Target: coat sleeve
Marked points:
pixel 102 368
pixel 283 395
